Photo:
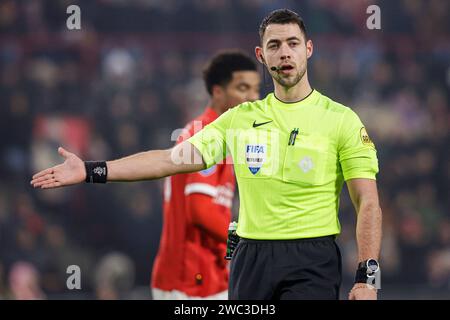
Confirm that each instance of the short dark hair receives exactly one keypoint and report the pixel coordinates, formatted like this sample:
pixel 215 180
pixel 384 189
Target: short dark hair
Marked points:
pixel 219 70
pixel 281 16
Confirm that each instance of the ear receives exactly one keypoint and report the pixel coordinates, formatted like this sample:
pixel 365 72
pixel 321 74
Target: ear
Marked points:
pixel 259 55
pixel 217 91
pixel 309 48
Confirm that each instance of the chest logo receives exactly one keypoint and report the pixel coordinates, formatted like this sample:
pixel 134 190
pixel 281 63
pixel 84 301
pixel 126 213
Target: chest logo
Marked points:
pixel 255 125
pixel 306 164
pixel 255 155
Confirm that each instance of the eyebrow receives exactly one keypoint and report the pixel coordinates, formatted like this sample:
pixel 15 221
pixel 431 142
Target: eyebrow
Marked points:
pixel 278 41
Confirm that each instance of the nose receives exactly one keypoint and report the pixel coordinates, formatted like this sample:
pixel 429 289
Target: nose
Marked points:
pixel 285 52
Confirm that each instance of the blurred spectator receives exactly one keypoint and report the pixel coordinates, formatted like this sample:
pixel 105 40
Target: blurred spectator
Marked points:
pixel 24 281
pixel 439 259
pixel 3 293
pixel 114 277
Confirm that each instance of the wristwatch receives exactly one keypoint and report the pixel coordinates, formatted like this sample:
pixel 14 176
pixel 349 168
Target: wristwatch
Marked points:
pixel 370 265
pixel 366 271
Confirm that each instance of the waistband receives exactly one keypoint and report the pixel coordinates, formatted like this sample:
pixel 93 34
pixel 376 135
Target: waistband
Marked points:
pixel 301 240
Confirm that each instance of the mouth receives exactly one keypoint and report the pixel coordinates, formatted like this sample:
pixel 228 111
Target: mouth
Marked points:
pixel 286 68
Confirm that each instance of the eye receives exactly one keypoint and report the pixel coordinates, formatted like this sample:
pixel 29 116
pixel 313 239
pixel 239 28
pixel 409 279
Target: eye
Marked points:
pixel 273 46
pixel 243 88
pixel 293 43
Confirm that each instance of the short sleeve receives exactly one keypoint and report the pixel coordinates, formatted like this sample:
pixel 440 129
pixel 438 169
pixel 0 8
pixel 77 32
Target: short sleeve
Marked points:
pixel 357 153
pixel 211 140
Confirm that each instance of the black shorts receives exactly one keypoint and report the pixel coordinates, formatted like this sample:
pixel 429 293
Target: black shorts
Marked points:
pixel 286 269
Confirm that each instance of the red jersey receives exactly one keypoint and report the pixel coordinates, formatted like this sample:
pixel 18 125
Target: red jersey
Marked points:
pixel 197 211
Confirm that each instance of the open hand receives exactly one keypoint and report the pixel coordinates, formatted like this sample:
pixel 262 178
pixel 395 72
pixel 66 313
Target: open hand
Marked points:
pixel 72 171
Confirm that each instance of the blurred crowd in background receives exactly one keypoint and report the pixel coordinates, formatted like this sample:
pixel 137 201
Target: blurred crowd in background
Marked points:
pixel 132 75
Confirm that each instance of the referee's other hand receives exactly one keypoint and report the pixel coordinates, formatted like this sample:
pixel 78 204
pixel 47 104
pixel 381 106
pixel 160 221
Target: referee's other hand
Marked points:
pixel 71 171
pixel 359 292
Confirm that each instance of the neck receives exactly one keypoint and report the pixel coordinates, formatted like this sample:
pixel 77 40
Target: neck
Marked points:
pixel 218 108
pixel 295 93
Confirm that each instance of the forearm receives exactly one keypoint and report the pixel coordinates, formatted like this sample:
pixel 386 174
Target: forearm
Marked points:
pixel 140 166
pixel 155 164
pixel 148 165
pixel 369 230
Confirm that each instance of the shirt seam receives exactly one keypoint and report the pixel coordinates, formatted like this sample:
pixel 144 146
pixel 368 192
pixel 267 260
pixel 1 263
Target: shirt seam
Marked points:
pixel 340 131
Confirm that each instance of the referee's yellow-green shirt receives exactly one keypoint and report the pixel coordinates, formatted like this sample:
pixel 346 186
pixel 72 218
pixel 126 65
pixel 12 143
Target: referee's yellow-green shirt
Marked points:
pixel 289 183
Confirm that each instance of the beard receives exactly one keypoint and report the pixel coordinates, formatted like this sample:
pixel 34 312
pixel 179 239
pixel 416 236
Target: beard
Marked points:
pixel 288 82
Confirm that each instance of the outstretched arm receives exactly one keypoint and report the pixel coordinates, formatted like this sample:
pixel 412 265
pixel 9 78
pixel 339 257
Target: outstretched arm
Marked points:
pixel 140 166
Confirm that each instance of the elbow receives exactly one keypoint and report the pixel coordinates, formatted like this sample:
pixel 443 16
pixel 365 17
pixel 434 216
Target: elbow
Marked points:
pixel 372 207
pixel 167 167
pixel 163 167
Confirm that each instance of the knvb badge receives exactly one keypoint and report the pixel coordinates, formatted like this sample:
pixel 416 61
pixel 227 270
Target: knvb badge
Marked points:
pixel 255 155
pixel 100 171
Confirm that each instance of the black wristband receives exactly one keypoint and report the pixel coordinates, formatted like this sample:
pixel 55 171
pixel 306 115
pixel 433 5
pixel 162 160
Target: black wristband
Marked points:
pixel 361 275
pixel 96 171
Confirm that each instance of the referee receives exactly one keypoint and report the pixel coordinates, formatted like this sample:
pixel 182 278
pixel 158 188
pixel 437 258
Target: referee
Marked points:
pixel 292 152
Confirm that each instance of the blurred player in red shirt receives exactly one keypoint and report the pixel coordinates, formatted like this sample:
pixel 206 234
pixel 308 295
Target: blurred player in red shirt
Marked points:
pixel 190 262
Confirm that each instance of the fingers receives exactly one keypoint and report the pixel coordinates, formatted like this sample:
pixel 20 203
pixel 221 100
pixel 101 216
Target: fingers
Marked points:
pixel 42 173
pixel 63 152
pixel 51 185
pixel 48 178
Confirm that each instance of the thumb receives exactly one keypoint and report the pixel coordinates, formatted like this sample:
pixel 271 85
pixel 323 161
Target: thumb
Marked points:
pixel 63 152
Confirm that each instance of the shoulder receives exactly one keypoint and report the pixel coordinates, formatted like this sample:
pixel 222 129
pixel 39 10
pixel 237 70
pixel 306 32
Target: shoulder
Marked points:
pixel 339 111
pixel 332 105
pixel 251 106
